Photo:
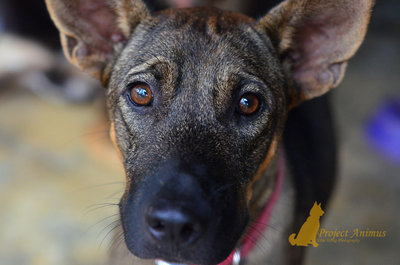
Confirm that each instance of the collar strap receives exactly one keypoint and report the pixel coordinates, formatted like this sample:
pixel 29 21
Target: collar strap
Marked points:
pixel 253 235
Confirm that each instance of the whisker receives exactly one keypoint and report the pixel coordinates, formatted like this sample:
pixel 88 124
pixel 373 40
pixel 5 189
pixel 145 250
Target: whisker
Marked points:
pixel 102 220
pixel 220 189
pixel 257 244
pixel 268 225
pixel 111 196
pixel 122 183
pixel 116 242
pixel 116 224
pixel 98 206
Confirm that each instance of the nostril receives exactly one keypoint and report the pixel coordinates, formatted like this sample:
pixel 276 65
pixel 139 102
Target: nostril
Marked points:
pixel 156 227
pixel 187 232
pixel 159 226
pixel 172 226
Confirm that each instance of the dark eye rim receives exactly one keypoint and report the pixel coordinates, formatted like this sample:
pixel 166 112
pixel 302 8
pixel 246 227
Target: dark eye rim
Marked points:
pixel 259 107
pixel 129 94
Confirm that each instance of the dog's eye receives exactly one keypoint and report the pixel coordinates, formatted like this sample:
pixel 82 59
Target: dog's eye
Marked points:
pixel 248 104
pixel 141 94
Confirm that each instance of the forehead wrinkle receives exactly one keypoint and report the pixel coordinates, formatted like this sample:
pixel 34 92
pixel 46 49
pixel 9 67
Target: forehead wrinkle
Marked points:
pixel 168 68
pixel 156 60
pixel 230 71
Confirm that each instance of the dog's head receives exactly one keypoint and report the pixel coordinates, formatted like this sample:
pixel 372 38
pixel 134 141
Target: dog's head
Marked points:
pixel 197 100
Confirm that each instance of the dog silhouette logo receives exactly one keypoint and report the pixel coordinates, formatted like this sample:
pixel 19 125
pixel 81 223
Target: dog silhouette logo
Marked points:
pixel 308 231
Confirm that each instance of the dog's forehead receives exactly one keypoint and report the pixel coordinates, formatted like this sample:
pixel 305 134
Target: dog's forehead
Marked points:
pixel 206 18
pixel 200 45
pixel 193 35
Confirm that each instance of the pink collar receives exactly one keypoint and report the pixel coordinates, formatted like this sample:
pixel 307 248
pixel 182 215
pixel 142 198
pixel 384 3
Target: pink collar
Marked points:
pixel 253 235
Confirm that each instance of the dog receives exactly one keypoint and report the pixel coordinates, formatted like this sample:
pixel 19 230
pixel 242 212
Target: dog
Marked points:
pixel 308 232
pixel 198 99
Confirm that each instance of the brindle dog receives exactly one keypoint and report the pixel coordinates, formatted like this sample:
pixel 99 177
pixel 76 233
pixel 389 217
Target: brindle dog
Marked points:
pixel 198 100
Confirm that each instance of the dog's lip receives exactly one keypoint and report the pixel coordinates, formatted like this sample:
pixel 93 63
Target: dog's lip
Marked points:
pixel 193 254
pixel 181 262
pixel 177 255
pixel 176 259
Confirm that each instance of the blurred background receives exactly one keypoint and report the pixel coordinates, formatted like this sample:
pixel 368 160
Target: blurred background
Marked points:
pixel 60 178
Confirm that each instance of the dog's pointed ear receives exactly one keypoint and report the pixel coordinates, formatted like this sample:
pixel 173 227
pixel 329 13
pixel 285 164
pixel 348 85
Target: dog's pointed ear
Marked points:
pixel 92 30
pixel 315 39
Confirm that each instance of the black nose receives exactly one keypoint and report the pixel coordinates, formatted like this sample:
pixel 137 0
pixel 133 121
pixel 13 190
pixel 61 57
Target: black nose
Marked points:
pixel 172 226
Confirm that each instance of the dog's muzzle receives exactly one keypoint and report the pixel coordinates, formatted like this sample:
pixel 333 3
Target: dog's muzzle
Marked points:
pixel 235 260
pixel 251 238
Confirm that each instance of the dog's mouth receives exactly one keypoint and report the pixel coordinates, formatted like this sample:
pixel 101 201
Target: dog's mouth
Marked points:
pixel 173 216
pixel 180 233
pixel 176 222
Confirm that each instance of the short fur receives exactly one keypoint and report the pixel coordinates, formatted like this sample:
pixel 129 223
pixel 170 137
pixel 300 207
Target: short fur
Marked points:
pixel 191 149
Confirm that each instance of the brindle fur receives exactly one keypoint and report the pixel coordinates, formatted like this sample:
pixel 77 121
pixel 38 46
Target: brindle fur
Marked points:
pixel 191 145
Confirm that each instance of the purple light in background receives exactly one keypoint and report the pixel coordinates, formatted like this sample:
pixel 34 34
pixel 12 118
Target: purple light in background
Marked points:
pixel 383 130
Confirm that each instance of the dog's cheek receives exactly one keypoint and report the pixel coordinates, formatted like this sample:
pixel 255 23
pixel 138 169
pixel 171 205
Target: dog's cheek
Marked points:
pixel 263 166
pixel 114 141
pixel 113 138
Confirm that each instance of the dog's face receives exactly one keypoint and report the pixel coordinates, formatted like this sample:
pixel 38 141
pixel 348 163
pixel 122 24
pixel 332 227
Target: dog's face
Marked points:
pixel 197 100
pixel 190 151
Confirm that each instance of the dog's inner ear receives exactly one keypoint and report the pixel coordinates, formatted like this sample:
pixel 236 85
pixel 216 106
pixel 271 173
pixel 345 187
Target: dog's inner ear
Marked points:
pixel 93 30
pixel 315 39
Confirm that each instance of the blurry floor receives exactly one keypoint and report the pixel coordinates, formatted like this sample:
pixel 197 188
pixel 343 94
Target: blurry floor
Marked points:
pixel 55 174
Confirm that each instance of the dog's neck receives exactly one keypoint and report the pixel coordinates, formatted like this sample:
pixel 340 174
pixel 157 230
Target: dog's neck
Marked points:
pixel 265 186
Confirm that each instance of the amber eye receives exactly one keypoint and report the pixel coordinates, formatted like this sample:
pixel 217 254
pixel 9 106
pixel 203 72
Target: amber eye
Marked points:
pixel 141 94
pixel 248 104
